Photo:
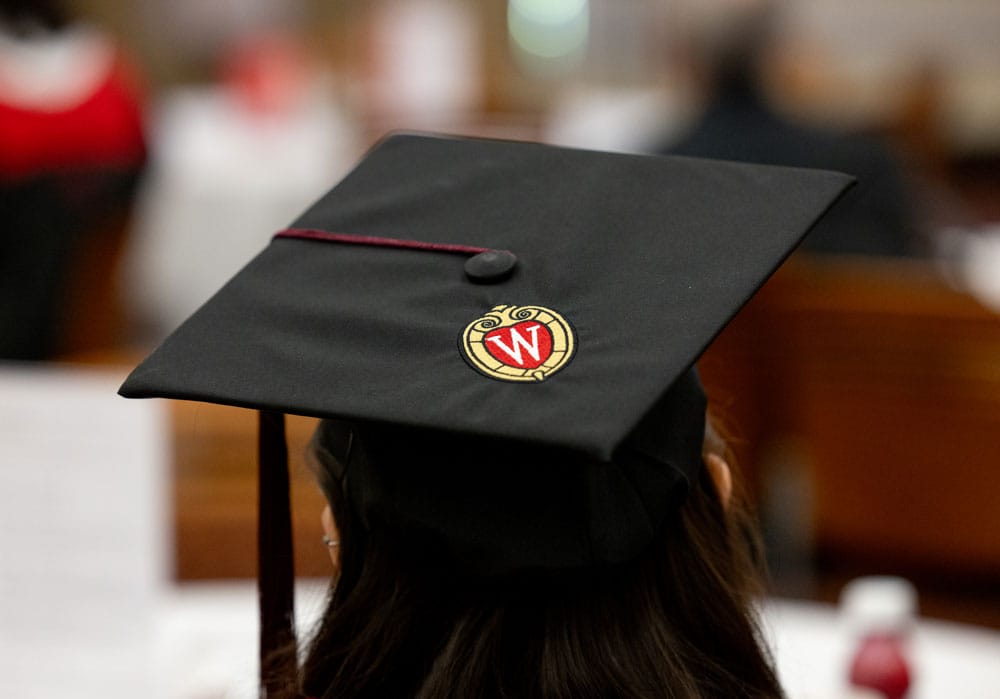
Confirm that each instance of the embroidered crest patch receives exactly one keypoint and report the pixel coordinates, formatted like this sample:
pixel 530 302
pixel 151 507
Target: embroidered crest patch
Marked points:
pixel 518 343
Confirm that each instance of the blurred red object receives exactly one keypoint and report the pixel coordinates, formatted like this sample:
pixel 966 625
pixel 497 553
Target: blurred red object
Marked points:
pixel 267 73
pixel 72 154
pixel 99 123
pixel 881 611
pixel 880 664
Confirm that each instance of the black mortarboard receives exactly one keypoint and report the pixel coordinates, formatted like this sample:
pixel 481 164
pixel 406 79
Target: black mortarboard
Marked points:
pixel 507 302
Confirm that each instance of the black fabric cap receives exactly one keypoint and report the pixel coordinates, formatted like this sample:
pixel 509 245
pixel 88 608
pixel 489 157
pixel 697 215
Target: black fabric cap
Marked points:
pixel 549 302
pixel 638 261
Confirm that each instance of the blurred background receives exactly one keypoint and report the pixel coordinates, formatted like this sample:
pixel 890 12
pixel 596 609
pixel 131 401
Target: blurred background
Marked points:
pixel 148 149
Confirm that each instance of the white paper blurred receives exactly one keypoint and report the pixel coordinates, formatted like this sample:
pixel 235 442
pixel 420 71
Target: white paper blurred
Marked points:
pixel 82 534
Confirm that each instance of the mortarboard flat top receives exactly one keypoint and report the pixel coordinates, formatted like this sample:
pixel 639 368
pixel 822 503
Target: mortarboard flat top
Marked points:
pixel 372 306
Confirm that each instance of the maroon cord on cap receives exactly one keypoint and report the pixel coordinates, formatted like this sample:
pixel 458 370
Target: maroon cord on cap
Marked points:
pixel 313 234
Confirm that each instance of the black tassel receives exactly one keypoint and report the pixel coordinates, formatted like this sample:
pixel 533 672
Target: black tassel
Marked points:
pixel 275 567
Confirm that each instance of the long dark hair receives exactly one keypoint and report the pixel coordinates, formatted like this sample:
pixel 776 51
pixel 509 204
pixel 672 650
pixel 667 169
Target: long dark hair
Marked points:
pixel 677 622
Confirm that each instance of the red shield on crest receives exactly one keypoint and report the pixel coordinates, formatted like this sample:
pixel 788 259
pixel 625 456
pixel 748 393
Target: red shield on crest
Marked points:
pixel 526 345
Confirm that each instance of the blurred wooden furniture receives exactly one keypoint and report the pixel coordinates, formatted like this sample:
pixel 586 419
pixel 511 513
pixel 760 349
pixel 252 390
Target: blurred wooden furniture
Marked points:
pixel 889 382
pixel 215 493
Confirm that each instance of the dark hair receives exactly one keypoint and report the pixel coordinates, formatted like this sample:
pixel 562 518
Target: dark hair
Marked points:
pixel 677 622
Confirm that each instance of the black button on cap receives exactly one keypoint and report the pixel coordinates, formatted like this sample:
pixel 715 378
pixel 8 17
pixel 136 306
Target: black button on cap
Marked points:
pixel 490 266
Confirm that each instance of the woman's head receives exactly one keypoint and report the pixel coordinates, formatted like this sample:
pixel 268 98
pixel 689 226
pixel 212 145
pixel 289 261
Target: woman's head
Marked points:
pixel 383 303
pixel 407 619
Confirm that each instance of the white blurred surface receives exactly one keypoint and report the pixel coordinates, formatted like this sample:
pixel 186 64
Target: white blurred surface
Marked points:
pixel 224 179
pixel 82 534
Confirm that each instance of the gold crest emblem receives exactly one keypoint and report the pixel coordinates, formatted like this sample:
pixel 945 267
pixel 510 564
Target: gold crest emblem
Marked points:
pixel 519 343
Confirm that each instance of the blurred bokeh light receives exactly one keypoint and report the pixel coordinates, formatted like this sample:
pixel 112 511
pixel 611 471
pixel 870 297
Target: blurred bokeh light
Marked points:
pixel 549 29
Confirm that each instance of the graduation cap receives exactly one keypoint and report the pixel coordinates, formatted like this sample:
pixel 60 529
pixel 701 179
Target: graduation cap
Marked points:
pixel 529 316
